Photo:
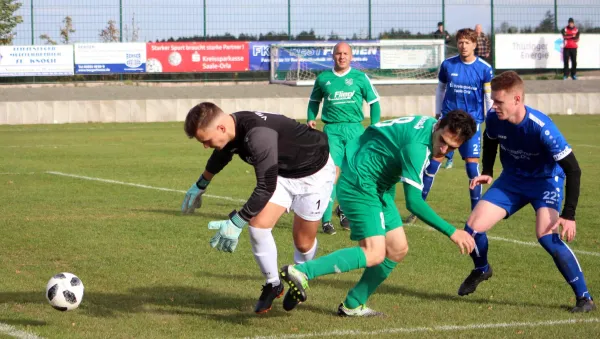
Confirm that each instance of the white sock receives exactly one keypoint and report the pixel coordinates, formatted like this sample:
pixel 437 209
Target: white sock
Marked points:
pixel 265 253
pixel 300 257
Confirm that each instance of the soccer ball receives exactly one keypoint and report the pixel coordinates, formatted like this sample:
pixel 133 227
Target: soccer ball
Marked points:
pixel 64 291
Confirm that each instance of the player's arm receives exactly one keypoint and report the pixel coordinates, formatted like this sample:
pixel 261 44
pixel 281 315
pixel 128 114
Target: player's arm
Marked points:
pixel 572 171
pixel 262 144
pixel 414 159
pixel 440 93
pixel 375 112
pixel 440 90
pixel 576 37
pixel 417 206
pixel 313 104
pixel 490 149
pixel 370 95
pixel 193 197
pixel 565 35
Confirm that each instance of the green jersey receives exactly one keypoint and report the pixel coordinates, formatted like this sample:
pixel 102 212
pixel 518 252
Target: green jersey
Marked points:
pixel 343 95
pixel 391 151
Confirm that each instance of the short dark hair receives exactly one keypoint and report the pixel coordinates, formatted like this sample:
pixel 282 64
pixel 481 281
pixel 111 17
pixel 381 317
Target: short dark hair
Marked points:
pixel 466 33
pixel 459 123
pixel 571 20
pixel 200 116
pixel 440 24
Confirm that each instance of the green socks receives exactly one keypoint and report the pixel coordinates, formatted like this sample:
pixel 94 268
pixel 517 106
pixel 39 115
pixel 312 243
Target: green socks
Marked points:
pixel 343 260
pixel 329 211
pixel 368 283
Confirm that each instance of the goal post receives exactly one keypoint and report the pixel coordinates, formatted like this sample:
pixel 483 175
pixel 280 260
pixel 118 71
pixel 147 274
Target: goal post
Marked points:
pixel 386 62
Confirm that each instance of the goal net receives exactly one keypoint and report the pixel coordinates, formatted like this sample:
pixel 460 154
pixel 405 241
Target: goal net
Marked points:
pixel 386 62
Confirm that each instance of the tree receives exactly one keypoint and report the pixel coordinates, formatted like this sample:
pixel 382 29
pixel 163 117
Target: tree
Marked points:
pixel 334 36
pixel 65 33
pixel 310 35
pixel 505 27
pixel 547 24
pixel 8 21
pixel 110 33
pixel 135 31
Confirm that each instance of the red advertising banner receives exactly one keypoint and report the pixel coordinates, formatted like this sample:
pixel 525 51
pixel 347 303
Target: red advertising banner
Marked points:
pixel 179 57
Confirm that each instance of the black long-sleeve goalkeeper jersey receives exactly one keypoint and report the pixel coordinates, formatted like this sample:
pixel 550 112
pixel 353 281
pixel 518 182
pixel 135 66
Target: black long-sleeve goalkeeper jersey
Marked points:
pixel 276 146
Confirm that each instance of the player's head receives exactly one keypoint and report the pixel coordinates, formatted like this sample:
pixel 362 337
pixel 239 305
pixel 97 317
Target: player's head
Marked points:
pixel 466 41
pixel 478 29
pixel 441 26
pixel 508 94
pixel 342 56
pixel 571 22
pixel 209 125
pixel 451 131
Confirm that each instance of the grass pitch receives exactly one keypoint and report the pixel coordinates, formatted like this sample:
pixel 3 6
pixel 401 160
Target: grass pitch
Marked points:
pixel 150 273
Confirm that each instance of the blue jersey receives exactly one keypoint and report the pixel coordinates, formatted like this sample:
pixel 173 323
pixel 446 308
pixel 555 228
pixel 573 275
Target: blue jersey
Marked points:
pixel 465 86
pixel 530 149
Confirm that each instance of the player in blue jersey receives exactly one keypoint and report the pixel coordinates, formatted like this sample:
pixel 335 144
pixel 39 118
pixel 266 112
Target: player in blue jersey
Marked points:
pixel 464 83
pixel 536 161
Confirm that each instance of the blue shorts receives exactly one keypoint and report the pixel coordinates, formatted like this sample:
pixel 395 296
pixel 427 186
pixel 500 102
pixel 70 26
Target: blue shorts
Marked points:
pixel 512 193
pixel 472 147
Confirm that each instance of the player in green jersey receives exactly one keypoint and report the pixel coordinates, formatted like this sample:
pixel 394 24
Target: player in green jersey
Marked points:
pixel 387 153
pixel 343 90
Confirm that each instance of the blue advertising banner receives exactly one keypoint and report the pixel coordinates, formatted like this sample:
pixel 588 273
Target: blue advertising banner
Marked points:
pixel 110 58
pixel 319 58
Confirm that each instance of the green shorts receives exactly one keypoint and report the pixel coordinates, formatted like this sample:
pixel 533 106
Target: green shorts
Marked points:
pixel 370 214
pixel 339 134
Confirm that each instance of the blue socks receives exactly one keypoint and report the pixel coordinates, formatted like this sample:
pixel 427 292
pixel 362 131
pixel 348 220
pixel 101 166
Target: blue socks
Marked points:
pixel 472 172
pixel 428 177
pixel 479 254
pixel 566 262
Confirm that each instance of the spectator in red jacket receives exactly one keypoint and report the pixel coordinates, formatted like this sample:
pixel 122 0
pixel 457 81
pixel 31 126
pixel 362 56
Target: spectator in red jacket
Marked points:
pixel 571 36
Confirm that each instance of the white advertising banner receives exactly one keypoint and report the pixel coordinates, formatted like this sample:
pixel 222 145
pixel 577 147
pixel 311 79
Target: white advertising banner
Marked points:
pixel 529 51
pixel 127 57
pixel 36 60
pixel 411 54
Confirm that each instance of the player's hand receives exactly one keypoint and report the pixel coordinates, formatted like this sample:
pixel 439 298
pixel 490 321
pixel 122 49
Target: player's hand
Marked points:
pixel 192 200
pixel 228 233
pixel 464 241
pixel 312 124
pixel 569 228
pixel 479 180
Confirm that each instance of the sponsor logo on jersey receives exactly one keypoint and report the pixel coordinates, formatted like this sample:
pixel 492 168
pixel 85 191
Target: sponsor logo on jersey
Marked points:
pixel 341 95
pixel 519 154
pixel 328 83
pixel 454 74
pixel 502 136
pixel 349 82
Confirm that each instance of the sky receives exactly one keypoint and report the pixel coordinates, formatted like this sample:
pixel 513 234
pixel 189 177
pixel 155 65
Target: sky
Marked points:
pixel 162 19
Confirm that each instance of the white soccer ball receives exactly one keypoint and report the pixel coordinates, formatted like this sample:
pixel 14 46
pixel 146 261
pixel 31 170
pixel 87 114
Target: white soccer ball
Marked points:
pixel 64 291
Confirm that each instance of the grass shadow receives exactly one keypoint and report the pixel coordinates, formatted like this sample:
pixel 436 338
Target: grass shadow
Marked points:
pixel 178 300
pixel 345 285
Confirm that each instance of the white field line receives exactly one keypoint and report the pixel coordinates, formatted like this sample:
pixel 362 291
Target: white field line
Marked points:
pixel 14 332
pixel 16 173
pixel 518 242
pixel 442 328
pixel 138 185
pixel 525 243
